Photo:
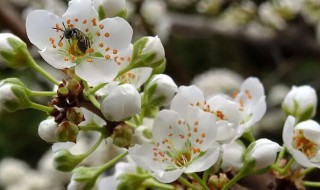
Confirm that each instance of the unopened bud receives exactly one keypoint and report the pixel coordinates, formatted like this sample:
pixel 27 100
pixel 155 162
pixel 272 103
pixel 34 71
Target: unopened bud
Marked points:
pixel 47 130
pixel 12 50
pixel 218 182
pixel 65 161
pixel 110 8
pixel 161 90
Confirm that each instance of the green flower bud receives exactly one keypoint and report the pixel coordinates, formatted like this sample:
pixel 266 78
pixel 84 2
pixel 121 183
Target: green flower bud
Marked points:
pixel 130 181
pixel 67 131
pixel 12 51
pixel 84 178
pixel 65 161
pixel 13 96
pixel 123 135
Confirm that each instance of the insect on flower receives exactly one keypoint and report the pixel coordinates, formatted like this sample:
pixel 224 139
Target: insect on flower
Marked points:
pixel 83 42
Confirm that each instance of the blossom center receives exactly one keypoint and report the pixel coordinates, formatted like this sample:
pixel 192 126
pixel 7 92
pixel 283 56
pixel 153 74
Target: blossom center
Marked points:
pixel 306 146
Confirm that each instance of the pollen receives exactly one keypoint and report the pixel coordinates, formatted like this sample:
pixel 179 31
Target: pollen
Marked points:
pixel 70 25
pixel 203 135
pixel 76 20
pixel 54 46
pixel 90 50
pixel 115 51
pixel 66 59
pixel 85 21
pixel 220 115
pixel 248 94
pixel 107 56
pixel 181 136
pixel 106 34
pixel 101 26
pixel 89 60
pixel 195 130
pixel 68 21
pixel 60 44
pixel 101 45
pixel 87 29
pixel 98 33
pixel 51 40
pixel 128 58
pixel 196 123
pixel 107 49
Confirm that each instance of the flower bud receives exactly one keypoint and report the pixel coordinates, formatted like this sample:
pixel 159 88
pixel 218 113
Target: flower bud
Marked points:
pixel 75 115
pixel 123 102
pixel 161 90
pixel 13 97
pixel 263 152
pixel 232 156
pixel 12 50
pixel 110 8
pixel 46 130
pixel 123 135
pixel 83 178
pixel 301 102
pixel 65 161
pixel 149 51
pixel 67 131
pixel 218 181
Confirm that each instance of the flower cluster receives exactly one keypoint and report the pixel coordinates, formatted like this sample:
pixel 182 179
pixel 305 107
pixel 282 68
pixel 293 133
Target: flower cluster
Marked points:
pixel 115 107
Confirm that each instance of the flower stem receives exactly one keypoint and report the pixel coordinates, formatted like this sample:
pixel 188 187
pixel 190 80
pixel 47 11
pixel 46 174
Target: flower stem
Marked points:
pixel 112 162
pixel 41 107
pixel 42 93
pixel 31 62
pixel 186 183
pixel 94 147
pixel 96 88
pixel 311 184
pixel 94 101
pixel 306 171
pixel 199 180
pixel 281 154
pixel 284 170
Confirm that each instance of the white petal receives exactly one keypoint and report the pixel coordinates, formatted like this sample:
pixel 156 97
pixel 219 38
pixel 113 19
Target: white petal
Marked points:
pixel 254 86
pixel 167 176
pixel 120 33
pixel 205 123
pixel 127 55
pixel 287 134
pixel 301 158
pixel 90 117
pixel 205 161
pixel 168 124
pixel 186 96
pixel 311 130
pixel 98 71
pixel 232 156
pixel 39 25
pixel 80 9
pixel 109 182
pixel 55 59
pixel 142 74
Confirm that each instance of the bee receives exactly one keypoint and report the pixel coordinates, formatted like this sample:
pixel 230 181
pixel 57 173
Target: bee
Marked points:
pixel 83 42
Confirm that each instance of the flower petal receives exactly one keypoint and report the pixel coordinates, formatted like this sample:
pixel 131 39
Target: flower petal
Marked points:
pixel 170 126
pixel 90 117
pixel 119 33
pixel 55 59
pixel 39 26
pixel 205 161
pixel 311 130
pixel 186 96
pixel 81 10
pixel 167 176
pixel 98 71
pixel 142 74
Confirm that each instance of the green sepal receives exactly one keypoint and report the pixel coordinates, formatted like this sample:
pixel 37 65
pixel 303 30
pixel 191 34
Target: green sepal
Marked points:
pixel 138 47
pixel 122 14
pixel 160 68
pixel 65 161
pixel 102 14
pixel 306 114
pixel 22 101
pixel 151 111
pixel 86 175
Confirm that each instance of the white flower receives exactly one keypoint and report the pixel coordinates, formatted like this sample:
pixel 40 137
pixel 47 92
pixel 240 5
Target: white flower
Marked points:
pixel 91 119
pixel 46 130
pixel 123 102
pixel 4 43
pixel 153 11
pixel 154 45
pixel 182 144
pixel 301 102
pixel 225 110
pixel 252 101
pixel 232 156
pixel 264 152
pixel 11 171
pixel 302 141
pixel 164 90
pixel 110 8
pixel 268 14
pixel 91 46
